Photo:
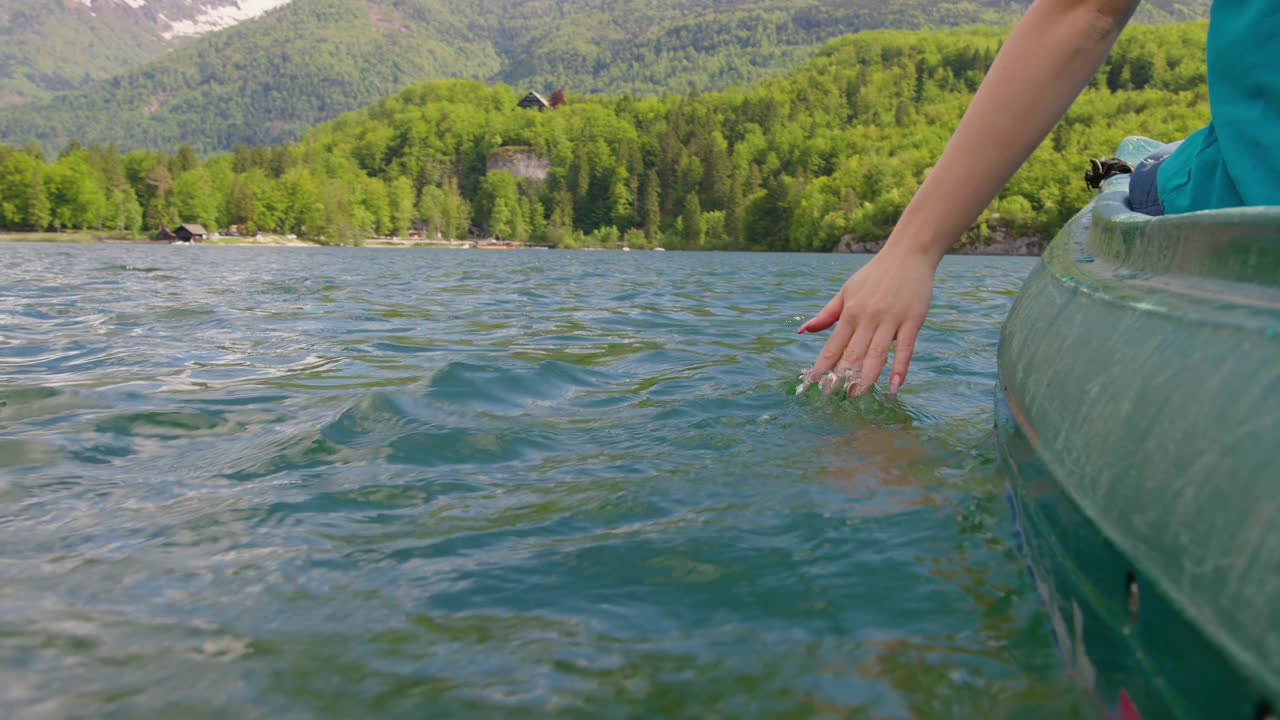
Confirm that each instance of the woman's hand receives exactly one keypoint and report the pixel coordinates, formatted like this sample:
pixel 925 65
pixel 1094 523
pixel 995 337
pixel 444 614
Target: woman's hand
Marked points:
pixel 1051 54
pixel 881 306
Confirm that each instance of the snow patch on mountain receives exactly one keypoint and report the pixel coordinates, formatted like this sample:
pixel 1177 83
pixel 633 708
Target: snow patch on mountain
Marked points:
pixel 135 4
pixel 188 18
pixel 217 17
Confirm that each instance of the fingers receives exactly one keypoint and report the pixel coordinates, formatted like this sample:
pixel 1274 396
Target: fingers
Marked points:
pixel 862 357
pixel 851 361
pixel 877 353
pixel 825 317
pixel 821 372
pixel 902 355
pixel 831 350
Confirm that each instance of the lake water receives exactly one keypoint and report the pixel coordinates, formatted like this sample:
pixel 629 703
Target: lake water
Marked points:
pixel 314 483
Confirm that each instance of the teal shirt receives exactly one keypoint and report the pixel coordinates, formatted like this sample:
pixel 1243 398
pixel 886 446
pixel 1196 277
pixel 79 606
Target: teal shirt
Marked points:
pixel 1235 160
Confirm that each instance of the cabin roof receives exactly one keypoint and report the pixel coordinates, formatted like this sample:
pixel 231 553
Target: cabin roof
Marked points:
pixel 534 99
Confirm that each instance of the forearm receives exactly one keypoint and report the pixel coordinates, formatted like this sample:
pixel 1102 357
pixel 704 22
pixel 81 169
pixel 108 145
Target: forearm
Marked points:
pixel 1046 61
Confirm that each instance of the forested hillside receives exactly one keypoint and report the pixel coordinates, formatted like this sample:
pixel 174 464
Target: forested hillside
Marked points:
pixel 835 148
pixel 53 46
pixel 267 80
pixel 93 49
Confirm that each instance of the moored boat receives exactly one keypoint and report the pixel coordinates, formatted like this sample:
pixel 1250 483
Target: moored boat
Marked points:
pixel 1138 419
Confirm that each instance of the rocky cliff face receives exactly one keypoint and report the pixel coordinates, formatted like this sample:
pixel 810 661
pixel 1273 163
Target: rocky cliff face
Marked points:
pixel 521 162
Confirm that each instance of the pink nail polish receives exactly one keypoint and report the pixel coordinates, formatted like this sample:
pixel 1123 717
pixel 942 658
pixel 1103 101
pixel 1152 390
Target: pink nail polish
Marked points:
pixel 895 382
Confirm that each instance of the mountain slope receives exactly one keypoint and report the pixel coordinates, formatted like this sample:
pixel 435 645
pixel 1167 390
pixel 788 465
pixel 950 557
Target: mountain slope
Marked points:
pixel 52 46
pixel 264 81
pixel 833 150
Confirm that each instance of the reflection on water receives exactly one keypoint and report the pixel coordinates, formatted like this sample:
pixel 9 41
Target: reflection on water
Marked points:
pixel 279 482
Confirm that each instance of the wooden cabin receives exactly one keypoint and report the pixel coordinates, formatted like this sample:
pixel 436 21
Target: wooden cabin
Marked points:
pixel 534 101
pixel 187 233
pixel 165 235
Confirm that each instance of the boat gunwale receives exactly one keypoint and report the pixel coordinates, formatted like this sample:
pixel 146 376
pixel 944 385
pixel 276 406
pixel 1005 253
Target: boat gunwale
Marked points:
pixel 1095 257
pixel 1239 245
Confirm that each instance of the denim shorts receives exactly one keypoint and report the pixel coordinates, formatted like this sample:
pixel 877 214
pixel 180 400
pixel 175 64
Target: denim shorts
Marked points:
pixel 1144 192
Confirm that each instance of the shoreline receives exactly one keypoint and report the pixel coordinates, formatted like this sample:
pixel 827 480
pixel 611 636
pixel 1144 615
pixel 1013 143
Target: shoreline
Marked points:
pixel 1010 247
pixel 1001 244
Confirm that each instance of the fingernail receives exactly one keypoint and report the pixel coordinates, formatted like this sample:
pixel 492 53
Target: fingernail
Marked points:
pixel 895 382
pixel 850 380
pixel 829 383
pixel 806 379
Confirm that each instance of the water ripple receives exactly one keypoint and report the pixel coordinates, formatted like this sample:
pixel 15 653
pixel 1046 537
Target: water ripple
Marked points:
pixel 260 482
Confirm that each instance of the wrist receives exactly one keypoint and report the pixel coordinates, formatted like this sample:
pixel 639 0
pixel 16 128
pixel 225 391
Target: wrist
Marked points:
pixel 916 244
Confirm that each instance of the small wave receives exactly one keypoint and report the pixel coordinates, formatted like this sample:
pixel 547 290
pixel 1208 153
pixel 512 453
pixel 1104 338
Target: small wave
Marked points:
pixel 507 389
pixel 172 424
pixel 39 402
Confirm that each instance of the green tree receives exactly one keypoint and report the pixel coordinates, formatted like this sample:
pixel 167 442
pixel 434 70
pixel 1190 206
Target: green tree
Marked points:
pixel 374 207
pixel 122 209
pixel 402 207
pixel 717 172
pixel 694 230
pixel 302 212
pixel 560 224
pixel 192 199
pixel 652 206
pixel 243 202
pixel 157 181
pixel 16 186
pixel 443 210
pixel 184 161
pixel 39 213
pixel 498 204
pixel 76 199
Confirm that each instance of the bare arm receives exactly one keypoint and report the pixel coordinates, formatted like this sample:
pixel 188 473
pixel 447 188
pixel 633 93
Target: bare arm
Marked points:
pixel 1046 61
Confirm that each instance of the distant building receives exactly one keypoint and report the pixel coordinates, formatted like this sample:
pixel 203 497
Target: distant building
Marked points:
pixel 165 234
pixel 534 101
pixel 187 233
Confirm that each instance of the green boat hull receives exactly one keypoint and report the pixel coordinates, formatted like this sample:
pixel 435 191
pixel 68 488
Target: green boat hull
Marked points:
pixel 1138 420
